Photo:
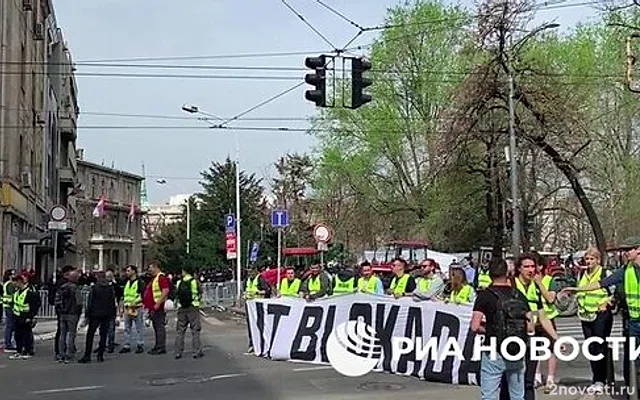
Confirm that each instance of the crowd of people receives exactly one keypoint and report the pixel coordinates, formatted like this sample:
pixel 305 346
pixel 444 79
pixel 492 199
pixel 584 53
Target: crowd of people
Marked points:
pixel 527 280
pixel 132 298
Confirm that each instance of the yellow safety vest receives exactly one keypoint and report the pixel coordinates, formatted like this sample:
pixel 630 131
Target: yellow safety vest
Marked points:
pixel 484 280
pixel 155 287
pixel 399 286
pixel 20 306
pixel 314 285
pixel 195 296
pixel 530 293
pixel 290 289
pixel 368 286
pixel 463 296
pixel 549 309
pixel 632 292
pixel 342 287
pixel 424 284
pixel 7 298
pixel 589 302
pixel 132 297
pixel 252 286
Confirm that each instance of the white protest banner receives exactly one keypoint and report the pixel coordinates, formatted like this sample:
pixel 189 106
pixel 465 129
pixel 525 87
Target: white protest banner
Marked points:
pixel 296 330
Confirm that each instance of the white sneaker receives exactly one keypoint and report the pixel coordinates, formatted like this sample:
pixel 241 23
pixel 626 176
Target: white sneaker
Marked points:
pixel 26 356
pixel 597 388
pixel 15 356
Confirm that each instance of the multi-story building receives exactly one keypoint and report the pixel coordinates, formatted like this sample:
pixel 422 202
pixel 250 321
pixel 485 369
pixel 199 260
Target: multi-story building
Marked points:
pixel 113 238
pixel 38 114
pixel 161 215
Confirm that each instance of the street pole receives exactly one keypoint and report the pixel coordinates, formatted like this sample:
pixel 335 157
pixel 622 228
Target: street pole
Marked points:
pixel 515 234
pixel 55 255
pixel 238 219
pixel 188 223
pixel 279 254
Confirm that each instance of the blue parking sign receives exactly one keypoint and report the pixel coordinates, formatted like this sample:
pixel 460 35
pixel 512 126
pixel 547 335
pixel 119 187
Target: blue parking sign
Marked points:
pixel 230 223
pixel 255 249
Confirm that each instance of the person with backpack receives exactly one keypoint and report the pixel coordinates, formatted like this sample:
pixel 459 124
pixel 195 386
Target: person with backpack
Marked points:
pixel 61 278
pixel 507 314
pixel 188 296
pixel 68 305
pixel 101 309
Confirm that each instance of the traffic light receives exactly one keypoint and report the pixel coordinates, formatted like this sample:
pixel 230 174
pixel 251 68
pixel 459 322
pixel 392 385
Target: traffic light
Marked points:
pixel 317 79
pixel 359 82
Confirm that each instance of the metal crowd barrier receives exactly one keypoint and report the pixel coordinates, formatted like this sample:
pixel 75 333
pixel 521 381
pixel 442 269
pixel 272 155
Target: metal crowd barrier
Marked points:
pixel 213 294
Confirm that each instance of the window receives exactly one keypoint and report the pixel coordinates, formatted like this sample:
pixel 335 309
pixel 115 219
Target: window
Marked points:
pixel 112 191
pixel 93 187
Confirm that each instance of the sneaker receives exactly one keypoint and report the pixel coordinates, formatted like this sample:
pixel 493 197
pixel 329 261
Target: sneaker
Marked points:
pixel 10 350
pixel 177 356
pixel 198 355
pixel 549 387
pixel 140 350
pixel 597 388
pixel 26 356
pixel 84 360
pixel 15 356
pixel 125 350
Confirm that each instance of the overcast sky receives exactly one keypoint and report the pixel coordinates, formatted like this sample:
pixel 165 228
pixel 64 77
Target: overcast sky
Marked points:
pixel 125 29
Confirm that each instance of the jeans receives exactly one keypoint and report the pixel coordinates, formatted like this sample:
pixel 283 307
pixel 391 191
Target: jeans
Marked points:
pixel 111 334
pixel 129 321
pixel 9 328
pixel 491 372
pixel 529 380
pixel 158 319
pixel 600 327
pixel 68 330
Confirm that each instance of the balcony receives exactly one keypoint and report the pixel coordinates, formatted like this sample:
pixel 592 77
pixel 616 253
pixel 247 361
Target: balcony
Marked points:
pixel 68 127
pixel 67 176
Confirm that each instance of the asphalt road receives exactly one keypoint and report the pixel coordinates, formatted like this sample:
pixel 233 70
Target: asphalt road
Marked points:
pixel 224 372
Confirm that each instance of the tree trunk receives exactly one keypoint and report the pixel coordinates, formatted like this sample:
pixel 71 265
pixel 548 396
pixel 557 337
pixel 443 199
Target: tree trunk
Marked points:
pixel 571 174
pixel 493 204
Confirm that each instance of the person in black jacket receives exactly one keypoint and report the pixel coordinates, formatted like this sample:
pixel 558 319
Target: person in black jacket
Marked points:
pixel 61 278
pixel 101 309
pixel 26 304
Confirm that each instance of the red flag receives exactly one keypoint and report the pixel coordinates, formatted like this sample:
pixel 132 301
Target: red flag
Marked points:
pixel 132 212
pixel 100 207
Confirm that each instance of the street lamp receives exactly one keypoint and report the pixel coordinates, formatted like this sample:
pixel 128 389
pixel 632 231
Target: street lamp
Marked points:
pixel 207 117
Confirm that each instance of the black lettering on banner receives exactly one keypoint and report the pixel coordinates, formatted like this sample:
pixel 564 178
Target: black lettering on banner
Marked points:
pixel 452 324
pixel 328 328
pixel 304 330
pixel 260 323
pixel 278 311
pixel 468 366
pixel 361 311
pixel 385 325
pixel 412 329
pixel 246 314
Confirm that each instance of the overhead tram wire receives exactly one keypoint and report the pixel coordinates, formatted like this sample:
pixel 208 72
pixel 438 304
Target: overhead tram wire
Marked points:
pixel 206 57
pixel 304 20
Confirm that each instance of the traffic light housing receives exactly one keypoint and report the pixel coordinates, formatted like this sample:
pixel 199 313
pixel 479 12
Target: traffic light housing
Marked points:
pixel 317 79
pixel 359 82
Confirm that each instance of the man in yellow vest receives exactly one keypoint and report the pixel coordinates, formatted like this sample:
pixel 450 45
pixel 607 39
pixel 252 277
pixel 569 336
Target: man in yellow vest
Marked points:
pixel 484 280
pixel 316 285
pixel 256 286
pixel 344 282
pixel 188 300
pixel 8 288
pixel 402 283
pixel 368 281
pixel 544 278
pixel 26 304
pixel 290 285
pixel 154 299
pixel 133 312
pixel 430 284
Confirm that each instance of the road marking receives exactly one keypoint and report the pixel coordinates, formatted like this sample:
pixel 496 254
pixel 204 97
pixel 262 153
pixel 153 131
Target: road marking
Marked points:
pixel 216 377
pixel 310 369
pixel 70 389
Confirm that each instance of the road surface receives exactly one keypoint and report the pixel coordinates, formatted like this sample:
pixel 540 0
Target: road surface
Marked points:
pixel 225 372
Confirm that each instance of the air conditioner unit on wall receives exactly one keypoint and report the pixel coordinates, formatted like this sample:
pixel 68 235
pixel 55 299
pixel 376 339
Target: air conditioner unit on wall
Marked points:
pixel 38 31
pixel 27 5
pixel 25 179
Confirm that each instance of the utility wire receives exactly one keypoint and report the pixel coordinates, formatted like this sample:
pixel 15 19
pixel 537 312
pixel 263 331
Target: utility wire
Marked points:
pixel 207 57
pixel 303 19
pixel 339 14
pixel 263 103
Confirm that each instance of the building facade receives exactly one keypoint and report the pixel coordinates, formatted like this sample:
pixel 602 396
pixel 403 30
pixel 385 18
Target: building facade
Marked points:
pixel 162 215
pixel 38 115
pixel 114 237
